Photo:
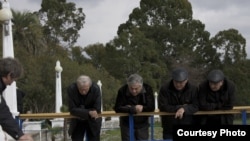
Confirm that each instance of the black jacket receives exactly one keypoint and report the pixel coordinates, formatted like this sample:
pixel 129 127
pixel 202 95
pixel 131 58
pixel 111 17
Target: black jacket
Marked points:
pixel 223 99
pixel 8 123
pixel 170 100
pixel 80 106
pixel 20 96
pixel 124 98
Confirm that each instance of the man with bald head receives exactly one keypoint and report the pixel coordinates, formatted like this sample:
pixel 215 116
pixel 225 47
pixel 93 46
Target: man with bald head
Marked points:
pixel 84 99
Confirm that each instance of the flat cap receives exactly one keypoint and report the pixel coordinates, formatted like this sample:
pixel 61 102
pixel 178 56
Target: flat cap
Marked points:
pixel 215 76
pixel 179 74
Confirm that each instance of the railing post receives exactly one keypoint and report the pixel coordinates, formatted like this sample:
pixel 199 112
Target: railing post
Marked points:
pixel 244 117
pixel 19 121
pixel 131 127
pixel 152 127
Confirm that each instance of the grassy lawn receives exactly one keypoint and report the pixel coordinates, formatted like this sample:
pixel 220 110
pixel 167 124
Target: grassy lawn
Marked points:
pixel 238 121
pixel 114 135
pixel 111 135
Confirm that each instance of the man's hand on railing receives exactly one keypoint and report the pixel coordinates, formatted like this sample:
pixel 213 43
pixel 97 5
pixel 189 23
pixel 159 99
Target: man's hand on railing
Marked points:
pixel 93 114
pixel 138 108
pixel 179 113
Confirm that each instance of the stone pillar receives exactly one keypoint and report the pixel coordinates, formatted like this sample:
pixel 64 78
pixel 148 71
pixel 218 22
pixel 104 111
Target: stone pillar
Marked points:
pixel 156 117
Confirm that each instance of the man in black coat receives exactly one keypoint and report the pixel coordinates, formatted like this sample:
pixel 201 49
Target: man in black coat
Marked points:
pixel 216 93
pixel 177 96
pixel 10 70
pixel 84 99
pixel 135 97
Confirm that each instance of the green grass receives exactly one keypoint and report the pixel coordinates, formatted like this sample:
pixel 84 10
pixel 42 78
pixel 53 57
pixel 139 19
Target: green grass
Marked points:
pixel 110 135
pixel 114 135
pixel 238 121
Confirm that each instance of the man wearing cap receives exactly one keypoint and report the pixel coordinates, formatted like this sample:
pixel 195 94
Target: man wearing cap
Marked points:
pixel 216 93
pixel 177 96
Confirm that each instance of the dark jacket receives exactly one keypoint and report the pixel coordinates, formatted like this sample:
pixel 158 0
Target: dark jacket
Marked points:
pixel 223 99
pixel 20 96
pixel 170 100
pixel 80 106
pixel 124 98
pixel 7 121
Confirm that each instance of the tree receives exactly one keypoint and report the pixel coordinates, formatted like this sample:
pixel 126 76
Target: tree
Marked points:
pixel 61 21
pixel 76 55
pixel 95 54
pixel 162 33
pixel 27 32
pixel 231 46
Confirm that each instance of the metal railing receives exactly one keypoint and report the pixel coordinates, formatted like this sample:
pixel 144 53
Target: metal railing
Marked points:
pixel 243 110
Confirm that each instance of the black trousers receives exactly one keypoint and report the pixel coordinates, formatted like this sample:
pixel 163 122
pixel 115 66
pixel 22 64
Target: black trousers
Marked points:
pixel 139 134
pixel 167 133
pixel 83 128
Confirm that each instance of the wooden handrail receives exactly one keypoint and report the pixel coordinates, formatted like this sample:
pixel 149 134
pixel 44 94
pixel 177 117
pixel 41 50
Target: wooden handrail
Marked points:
pixel 235 110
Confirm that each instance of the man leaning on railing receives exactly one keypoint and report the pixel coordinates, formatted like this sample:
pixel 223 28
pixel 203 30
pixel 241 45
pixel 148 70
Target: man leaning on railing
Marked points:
pixel 216 93
pixel 177 96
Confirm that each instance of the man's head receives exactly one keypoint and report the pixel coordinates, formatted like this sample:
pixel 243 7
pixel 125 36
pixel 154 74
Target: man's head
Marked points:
pixel 180 78
pixel 83 84
pixel 216 79
pixel 10 70
pixel 135 84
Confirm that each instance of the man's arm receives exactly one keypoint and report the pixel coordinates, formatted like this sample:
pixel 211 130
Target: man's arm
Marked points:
pixel 8 123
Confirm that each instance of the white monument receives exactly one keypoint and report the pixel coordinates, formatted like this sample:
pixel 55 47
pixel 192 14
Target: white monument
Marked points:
pixel 58 122
pixel 156 117
pixel 58 70
pixel 99 83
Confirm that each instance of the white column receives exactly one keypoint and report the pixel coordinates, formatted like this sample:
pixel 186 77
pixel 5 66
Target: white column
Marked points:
pixel 8 51
pixel 99 83
pixel 58 122
pixel 157 117
pixel 156 101
pixel 58 70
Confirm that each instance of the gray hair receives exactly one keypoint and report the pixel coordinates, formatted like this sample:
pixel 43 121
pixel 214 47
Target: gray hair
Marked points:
pixel 134 78
pixel 83 80
pixel 12 66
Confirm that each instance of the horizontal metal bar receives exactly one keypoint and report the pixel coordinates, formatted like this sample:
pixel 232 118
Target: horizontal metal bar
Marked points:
pixel 235 110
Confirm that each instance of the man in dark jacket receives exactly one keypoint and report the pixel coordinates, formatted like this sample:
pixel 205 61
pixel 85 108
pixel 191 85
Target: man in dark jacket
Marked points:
pixel 84 99
pixel 10 70
pixel 216 93
pixel 135 97
pixel 177 96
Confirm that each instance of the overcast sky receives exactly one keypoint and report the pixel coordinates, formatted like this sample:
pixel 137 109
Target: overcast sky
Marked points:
pixel 104 16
